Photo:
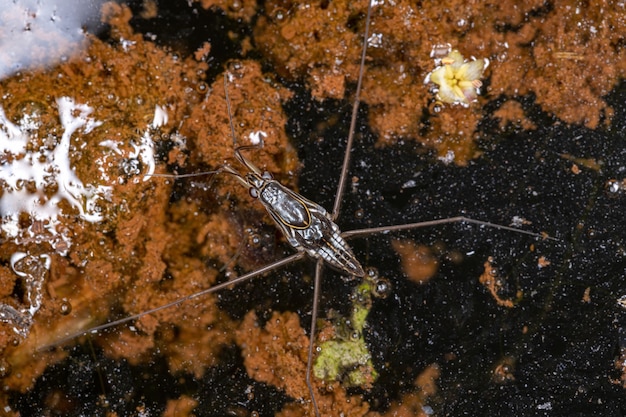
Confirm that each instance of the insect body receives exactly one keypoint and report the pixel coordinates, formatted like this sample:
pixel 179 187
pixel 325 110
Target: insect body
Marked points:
pixel 306 225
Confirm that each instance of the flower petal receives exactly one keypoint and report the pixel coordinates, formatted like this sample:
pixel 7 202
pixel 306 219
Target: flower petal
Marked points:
pixel 437 76
pixel 447 94
pixel 469 91
pixel 472 70
pixel 456 58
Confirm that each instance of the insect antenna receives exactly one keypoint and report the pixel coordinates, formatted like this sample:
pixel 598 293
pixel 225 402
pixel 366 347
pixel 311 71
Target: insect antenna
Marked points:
pixel 176 176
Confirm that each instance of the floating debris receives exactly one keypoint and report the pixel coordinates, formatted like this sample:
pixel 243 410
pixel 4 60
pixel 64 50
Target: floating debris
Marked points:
pixel 345 357
pixel 457 79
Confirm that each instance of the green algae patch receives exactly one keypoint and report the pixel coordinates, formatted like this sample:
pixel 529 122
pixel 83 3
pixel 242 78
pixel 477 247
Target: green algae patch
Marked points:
pixel 345 357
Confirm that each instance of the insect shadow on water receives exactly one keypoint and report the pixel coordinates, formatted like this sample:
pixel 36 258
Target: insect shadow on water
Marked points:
pixel 307 226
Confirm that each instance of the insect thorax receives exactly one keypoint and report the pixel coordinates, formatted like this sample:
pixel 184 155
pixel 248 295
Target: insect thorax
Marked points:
pixel 308 228
pixel 287 207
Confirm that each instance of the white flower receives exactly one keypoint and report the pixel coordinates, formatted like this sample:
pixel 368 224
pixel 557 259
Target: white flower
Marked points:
pixel 458 80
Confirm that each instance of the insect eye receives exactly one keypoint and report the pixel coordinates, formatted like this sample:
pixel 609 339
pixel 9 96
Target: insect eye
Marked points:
pixel 254 193
pixel 267 176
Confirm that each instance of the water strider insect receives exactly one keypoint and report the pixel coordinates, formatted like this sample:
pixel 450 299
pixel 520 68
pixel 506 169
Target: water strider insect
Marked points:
pixel 306 225
pixel 294 214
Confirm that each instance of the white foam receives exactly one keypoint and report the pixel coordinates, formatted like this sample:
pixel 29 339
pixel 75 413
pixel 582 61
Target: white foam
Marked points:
pixel 256 137
pixel 29 173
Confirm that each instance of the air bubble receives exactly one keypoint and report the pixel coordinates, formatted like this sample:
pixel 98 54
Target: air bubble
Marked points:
pixel 382 288
pixel 235 70
pixel 5 369
pixel 66 307
pixel 371 273
pixel 279 14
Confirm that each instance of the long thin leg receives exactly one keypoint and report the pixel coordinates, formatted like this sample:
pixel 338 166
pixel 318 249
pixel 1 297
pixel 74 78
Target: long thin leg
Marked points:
pixel 230 115
pixel 458 219
pixel 309 364
pixel 355 109
pixel 267 268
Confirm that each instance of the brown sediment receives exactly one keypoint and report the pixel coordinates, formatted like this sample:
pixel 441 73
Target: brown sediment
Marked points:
pixel 493 283
pixel 588 163
pixel 418 262
pixel 620 365
pixel 148 250
pixel 412 403
pixel 136 258
pixel 182 406
pixel 504 370
pixel 240 9
pixel 511 115
pixel 569 60
pixel 277 355
pixel 256 107
pixel 312 42
pixel 543 262
pixel 150 9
